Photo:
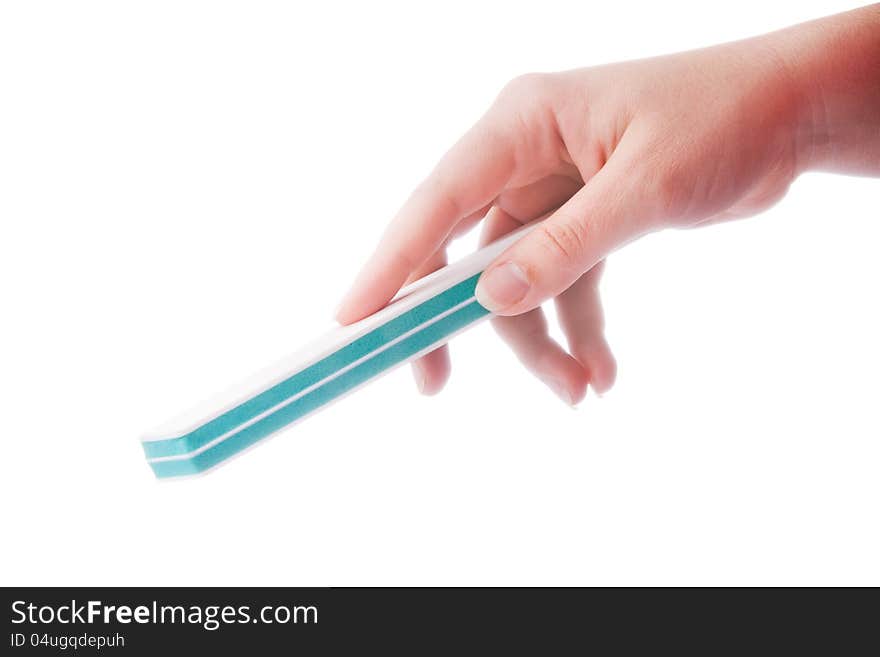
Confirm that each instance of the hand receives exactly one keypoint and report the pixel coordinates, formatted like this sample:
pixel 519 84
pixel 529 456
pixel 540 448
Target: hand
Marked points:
pixel 615 152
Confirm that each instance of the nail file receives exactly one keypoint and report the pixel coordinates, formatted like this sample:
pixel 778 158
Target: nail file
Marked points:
pixel 423 316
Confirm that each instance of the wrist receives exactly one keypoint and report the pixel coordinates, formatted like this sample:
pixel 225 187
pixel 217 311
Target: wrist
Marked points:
pixel 833 67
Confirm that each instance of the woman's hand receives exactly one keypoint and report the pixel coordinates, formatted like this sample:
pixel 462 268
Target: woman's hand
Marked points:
pixel 615 152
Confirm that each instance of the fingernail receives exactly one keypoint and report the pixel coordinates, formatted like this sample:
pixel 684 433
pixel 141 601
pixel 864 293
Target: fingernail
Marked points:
pixel 502 286
pixel 561 391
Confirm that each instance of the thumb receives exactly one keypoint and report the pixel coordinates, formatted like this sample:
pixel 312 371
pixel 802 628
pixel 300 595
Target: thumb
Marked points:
pixel 603 215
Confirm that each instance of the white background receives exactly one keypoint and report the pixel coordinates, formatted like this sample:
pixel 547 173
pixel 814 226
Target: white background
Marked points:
pixel 186 190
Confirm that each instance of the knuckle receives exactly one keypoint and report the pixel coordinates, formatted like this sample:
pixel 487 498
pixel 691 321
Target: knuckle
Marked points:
pixel 437 194
pixel 563 240
pixel 528 87
pixel 403 259
pixel 523 113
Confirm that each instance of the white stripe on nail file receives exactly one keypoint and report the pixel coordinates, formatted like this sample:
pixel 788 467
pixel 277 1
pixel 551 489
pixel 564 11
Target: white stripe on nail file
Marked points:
pixel 423 316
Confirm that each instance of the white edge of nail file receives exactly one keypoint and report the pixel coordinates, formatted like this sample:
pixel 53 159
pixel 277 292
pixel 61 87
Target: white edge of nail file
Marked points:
pixel 220 408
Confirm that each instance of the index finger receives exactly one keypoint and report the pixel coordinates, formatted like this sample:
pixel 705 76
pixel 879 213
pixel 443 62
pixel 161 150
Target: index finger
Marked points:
pixel 466 179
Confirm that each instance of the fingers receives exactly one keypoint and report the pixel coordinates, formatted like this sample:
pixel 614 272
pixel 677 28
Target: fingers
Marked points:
pixel 528 336
pixel 468 178
pixel 579 310
pixel 603 215
pixel 431 371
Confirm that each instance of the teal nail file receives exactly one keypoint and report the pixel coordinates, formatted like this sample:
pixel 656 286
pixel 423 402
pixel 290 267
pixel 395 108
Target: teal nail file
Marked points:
pixel 423 316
